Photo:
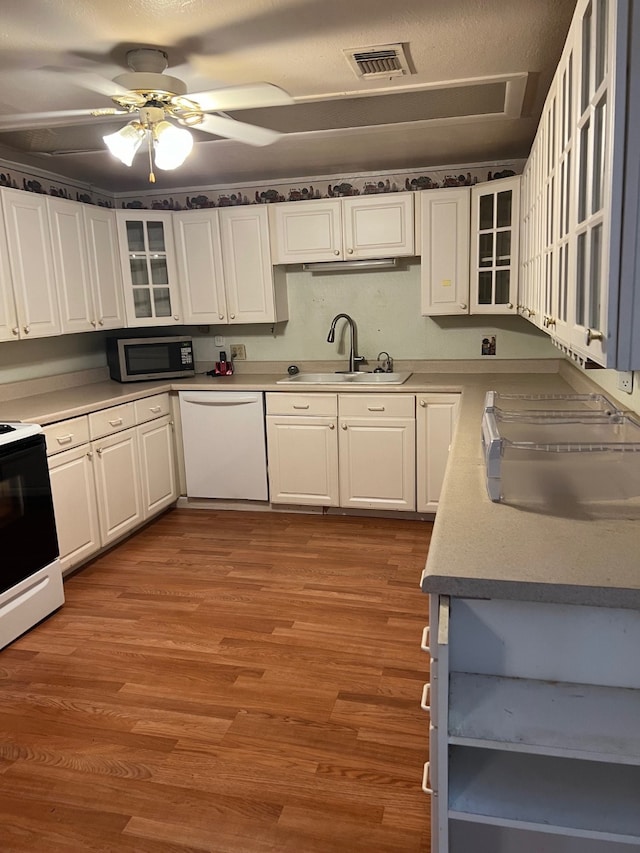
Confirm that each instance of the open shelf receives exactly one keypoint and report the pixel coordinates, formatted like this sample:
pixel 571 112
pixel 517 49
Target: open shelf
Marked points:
pixel 465 837
pixel 553 718
pixel 590 799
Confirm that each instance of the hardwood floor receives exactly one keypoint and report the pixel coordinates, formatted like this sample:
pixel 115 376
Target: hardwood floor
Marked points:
pixel 229 682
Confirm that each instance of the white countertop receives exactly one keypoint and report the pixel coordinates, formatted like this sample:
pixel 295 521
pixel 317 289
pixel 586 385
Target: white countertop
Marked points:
pixel 478 548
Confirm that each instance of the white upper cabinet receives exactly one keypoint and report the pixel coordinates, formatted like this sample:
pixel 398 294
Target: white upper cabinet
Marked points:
pixel 581 258
pixel 444 268
pixel 87 265
pixel 255 292
pixel 30 258
pixel 149 270
pixel 495 227
pixel 9 329
pixel 105 271
pixel 199 257
pixel 372 226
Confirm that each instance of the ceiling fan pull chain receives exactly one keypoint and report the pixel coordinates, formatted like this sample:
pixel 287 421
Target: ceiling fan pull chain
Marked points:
pixel 152 177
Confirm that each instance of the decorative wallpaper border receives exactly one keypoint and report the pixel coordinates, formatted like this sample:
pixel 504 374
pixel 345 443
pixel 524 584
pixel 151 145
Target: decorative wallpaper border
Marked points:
pixel 17 177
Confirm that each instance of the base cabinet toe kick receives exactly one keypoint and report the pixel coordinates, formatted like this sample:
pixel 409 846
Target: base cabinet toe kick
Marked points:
pixel 534 741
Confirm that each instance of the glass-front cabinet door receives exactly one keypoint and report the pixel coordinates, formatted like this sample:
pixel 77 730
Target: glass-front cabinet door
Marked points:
pixel 495 217
pixel 149 268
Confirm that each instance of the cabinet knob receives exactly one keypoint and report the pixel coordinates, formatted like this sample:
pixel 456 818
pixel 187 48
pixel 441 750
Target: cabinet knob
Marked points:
pixel 423 403
pixel 232 316
pixel 510 305
pixel 176 318
pixel 26 329
pixel 594 335
pixel 336 251
pixel 101 322
pixel 530 313
pixel 94 323
pixel 332 426
pixel 15 330
pixel 89 455
pixel 99 451
pixel 344 426
pixel 463 305
pixel 220 316
pixel 349 251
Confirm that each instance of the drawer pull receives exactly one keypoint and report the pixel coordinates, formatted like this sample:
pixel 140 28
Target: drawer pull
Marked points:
pixel 116 422
pixel 375 408
pixel 155 409
pixel 425 779
pixel 424 701
pixel 99 451
pixel 64 439
pixel 300 407
pixel 424 644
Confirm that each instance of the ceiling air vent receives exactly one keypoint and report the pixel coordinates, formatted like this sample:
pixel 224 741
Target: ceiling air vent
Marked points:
pixel 384 60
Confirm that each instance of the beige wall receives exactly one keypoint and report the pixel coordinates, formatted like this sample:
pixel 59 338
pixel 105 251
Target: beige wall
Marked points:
pixel 21 360
pixel 386 308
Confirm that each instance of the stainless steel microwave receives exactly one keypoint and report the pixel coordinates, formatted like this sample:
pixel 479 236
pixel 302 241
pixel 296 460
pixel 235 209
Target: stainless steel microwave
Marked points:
pixel 135 359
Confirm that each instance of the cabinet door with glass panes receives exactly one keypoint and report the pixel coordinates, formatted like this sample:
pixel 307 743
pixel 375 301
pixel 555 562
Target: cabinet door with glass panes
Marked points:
pixel 149 268
pixel 495 222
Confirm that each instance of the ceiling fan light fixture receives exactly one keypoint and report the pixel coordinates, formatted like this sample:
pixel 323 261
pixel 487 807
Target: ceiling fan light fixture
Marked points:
pixel 125 142
pixel 172 145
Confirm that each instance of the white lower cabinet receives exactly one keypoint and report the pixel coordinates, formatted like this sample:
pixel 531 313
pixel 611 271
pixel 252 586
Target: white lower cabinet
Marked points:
pixel 538 744
pixel 74 499
pixel 302 443
pixel 110 471
pixel 366 451
pixel 377 450
pixel 436 416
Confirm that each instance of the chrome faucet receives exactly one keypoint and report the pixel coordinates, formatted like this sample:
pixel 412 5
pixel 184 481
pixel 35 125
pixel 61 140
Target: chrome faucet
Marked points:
pixel 354 359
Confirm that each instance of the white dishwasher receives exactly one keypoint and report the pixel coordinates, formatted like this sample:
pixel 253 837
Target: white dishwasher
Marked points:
pixel 223 435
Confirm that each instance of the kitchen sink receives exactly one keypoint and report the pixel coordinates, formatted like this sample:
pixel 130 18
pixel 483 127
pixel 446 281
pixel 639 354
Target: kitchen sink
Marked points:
pixel 345 379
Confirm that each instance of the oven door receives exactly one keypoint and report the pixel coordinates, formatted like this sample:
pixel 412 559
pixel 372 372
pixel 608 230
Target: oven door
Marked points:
pixel 27 522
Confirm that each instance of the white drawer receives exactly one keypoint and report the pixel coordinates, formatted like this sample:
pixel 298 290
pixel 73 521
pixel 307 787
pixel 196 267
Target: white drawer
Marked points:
pixel 377 405
pixel 108 421
pixel 325 405
pixel 151 407
pixel 66 434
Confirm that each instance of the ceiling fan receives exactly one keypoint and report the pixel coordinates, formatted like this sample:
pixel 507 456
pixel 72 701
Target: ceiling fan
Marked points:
pixel 158 110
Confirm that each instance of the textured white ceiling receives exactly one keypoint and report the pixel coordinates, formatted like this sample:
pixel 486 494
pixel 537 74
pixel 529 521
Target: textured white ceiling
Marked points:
pixel 339 123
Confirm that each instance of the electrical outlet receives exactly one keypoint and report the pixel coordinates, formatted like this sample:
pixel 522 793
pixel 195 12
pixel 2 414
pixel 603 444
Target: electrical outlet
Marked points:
pixel 625 381
pixel 238 352
pixel 218 341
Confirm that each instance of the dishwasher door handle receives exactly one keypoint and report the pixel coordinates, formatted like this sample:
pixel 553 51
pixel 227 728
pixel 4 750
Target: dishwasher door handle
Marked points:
pixel 220 400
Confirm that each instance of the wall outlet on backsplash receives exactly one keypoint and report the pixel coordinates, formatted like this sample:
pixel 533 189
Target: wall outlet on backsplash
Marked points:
pixel 625 381
pixel 238 352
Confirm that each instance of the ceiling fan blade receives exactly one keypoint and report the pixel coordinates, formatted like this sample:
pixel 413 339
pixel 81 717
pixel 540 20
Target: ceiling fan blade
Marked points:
pixel 30 121
pixel 250 96
pixel 239 130
pixel 92 82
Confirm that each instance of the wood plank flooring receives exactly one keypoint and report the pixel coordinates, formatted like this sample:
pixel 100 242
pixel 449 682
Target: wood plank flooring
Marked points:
pixel 225 682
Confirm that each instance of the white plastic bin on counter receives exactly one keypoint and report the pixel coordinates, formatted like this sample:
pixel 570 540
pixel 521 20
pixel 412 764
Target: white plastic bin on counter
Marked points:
pixel 549 405
pixel 551 463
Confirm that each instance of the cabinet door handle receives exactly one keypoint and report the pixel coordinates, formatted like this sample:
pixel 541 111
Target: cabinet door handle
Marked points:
pixel 336 251
pixel 425 700
pixel 332 426
pixel 220 316
pixel 375 408
pixel 509 305
pixel 232 316
pixel 424 643
pixel 176 317
pixel 463 305
pixel 116 422
pixel 15 330
pixel 425 779
pixel 101 322
pixel 99 451
pixel 155 409
pixel 344 426
pixel 423 403
pixel 94 323
pixel 594 335
pixel 64 439
pixel 300 407
pixel 89 455
pixel 349 251
pixel 27 329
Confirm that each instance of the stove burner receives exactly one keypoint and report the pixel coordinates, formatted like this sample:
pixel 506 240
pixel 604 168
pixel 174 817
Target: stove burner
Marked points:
pixel 6 428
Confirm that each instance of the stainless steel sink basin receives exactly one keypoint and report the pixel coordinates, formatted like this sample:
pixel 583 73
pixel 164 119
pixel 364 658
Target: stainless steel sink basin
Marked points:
pixel 345 379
